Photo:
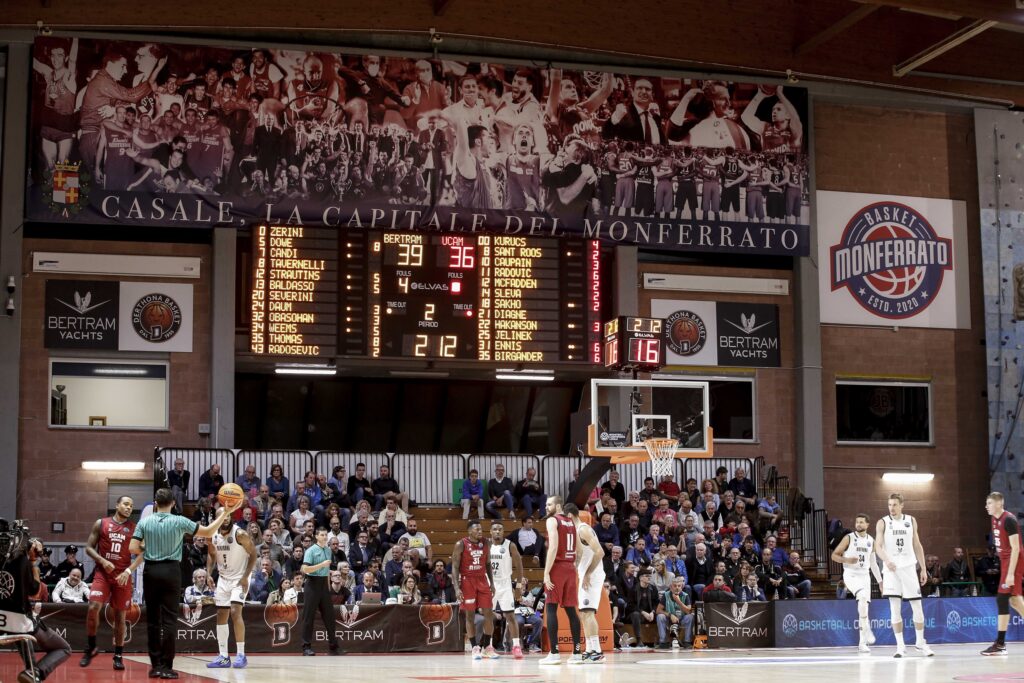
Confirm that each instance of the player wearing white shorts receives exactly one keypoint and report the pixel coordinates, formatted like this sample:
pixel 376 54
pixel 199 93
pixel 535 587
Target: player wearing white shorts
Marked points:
pixel 856 552
pixel 234 556
pixel 899 548
pixel 504 556
pixel 590 567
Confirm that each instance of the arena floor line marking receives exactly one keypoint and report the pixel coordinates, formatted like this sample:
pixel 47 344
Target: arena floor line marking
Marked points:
pixel 747 661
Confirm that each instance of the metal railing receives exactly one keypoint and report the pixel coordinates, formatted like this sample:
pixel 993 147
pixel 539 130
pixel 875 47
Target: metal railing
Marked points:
pixel 515 464
pixel 704 468
pixel 428 477
pixel 197 461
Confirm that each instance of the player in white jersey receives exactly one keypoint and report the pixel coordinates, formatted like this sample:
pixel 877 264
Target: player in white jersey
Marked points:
pixel 590 567
pixel 234 556
pixel 856 552
pixel 504 558
pixel 899 548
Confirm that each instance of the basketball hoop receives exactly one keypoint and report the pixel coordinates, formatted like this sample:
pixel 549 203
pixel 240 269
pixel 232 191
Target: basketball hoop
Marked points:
pixel 661 452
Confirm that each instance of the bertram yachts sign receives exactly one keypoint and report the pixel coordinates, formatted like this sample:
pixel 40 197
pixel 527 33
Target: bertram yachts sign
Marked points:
pixel 120 316
pixel 81 314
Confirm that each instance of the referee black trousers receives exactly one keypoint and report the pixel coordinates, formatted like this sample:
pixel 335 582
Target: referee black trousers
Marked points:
pixel 161 591
pixel 316 597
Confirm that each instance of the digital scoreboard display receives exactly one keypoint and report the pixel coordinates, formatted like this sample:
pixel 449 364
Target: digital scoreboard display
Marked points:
pixel 631 342
pixel 323 292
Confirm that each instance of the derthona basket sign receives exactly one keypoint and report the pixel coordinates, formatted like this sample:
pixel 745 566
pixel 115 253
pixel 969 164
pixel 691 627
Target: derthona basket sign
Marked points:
pixel 204 136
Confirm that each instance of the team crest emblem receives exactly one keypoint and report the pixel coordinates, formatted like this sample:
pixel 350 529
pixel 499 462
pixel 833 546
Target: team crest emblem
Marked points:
pixel 281 619
pixel 686 333
pixel 156 317
pixel 436 619
pixel 132 614
pixel 66 188
pixel 891 260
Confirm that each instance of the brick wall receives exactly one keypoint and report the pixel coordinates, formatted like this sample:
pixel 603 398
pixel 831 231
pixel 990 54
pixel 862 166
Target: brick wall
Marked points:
pixel 865 149
pixel 775 388
pixel 52 485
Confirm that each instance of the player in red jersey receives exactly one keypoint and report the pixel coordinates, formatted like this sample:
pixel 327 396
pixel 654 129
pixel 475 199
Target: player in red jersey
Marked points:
pixel 471 574
pixel 560 580
pixel 1006 538
pixel 108 546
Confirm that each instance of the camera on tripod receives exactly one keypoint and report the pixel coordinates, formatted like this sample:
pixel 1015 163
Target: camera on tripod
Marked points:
pixel 15 538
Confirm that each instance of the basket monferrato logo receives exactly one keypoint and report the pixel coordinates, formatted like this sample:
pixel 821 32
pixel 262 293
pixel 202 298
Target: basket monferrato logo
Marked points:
pixel 891 260
pixel 685 333
pixel 156 317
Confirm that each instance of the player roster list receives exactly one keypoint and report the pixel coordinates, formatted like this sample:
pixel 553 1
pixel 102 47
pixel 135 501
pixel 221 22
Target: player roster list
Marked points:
pixel 295 291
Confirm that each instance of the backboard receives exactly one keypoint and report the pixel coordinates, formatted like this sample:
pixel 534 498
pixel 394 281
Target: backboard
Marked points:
pixel 626 412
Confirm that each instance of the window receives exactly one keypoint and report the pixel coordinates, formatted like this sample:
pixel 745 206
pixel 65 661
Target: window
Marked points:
pixel 732 406
pixel 108 394
pixel 883 412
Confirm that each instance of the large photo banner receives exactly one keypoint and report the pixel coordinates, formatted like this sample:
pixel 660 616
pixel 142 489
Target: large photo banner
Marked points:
pixel 201 136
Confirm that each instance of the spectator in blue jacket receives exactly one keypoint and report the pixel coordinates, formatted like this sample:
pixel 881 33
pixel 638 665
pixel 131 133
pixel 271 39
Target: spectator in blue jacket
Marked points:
pixel 264 581
pixel 638 554
pixel 473 495
pixel 499 490
pixel 607 532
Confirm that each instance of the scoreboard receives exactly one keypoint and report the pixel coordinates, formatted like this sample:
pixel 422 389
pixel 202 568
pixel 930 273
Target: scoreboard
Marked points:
pixel 326 292
pixel 631 342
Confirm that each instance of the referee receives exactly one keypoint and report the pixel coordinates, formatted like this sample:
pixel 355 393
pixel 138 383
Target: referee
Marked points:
pixel 316 565
pixel 159 538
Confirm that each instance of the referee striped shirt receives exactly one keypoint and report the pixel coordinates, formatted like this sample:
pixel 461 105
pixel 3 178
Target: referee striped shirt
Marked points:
pixel 314 556
pixel 164 534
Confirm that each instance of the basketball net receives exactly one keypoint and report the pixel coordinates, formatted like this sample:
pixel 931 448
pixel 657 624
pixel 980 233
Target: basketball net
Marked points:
pixel 661 452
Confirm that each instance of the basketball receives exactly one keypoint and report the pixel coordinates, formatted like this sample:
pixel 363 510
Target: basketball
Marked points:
pixel 900 281
pixel 685 331
pixel 157 315
pixel 230 494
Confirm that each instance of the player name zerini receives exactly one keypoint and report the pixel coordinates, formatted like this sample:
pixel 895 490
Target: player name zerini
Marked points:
pixel 884 254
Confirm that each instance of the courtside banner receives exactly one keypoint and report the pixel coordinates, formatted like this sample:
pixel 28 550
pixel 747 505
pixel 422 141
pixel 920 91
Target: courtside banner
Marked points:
pixel 830 623
pixel 148 134
pixel 276 628
pixel 739 624
pixel 893 261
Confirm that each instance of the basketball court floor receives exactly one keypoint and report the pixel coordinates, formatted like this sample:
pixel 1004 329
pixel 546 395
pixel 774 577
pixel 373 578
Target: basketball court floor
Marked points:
pixel 836 665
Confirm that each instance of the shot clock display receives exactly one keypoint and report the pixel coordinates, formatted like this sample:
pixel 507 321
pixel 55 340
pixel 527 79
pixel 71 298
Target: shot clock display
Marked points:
pixel 634 342
pixel 381 294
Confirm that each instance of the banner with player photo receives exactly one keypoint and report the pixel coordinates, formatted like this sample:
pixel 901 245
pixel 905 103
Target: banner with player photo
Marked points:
pixel 146 134
pixel 719 333
pixel 276 628
pixel 892 261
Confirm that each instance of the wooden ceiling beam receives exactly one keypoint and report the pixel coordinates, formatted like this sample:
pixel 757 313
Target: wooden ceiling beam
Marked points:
pixel 835 29
pixel 945 45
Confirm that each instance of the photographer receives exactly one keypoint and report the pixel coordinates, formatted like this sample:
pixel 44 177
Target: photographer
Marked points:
pixel 16 612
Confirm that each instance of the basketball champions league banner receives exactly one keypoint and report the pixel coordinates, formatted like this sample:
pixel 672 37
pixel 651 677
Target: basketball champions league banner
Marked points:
pixel 892 261
pixel 149 134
